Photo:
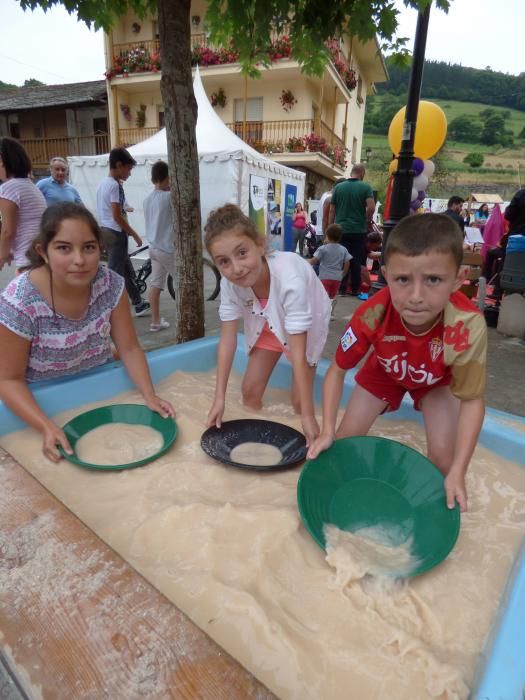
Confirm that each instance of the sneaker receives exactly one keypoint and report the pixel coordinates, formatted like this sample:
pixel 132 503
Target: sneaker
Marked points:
pixel 154 327
pixel 362 296
pixel 142 309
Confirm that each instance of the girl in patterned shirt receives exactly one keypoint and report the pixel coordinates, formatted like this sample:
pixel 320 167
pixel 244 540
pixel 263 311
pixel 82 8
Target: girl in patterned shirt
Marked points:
pixel 59 316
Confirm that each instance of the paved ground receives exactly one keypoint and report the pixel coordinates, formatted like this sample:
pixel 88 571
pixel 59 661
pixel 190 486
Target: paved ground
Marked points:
pixel 505 366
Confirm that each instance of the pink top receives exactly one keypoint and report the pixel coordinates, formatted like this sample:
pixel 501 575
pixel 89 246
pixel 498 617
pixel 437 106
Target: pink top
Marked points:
pixel 31 205
pixel 299 220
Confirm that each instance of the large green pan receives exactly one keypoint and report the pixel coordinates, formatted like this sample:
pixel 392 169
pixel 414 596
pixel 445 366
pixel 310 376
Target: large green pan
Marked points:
pixel 368 482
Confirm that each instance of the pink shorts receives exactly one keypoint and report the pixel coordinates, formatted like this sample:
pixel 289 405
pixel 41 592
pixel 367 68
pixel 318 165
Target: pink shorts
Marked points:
pixel 269 341
pixel 380 385
pixel 332 287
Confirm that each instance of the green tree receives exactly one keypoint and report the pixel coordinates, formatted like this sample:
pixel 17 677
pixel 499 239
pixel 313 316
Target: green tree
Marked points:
pixel 248 24
pixel 32 82
pixel 464 128
pixel 495 131
pixel 475 160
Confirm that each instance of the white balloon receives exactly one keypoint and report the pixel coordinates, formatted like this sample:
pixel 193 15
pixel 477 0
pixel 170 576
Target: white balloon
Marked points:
pixel 420 182
pixel 413 196
pixel 429 168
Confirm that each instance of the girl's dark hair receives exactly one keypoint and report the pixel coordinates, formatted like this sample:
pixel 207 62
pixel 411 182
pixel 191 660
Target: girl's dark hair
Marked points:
pixel 229 218
pixel 51 220
pixel 16 161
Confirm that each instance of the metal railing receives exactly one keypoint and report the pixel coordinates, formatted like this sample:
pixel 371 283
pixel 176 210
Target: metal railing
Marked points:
pixel 123 50
pixel 129 137
pixel 274 135
pixel 42 150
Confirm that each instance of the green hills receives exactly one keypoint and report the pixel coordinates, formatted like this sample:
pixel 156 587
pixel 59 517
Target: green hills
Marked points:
pixel 488 126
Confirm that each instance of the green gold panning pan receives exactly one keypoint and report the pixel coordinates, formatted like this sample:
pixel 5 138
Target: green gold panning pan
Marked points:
pixel 132 414
pixel 372 482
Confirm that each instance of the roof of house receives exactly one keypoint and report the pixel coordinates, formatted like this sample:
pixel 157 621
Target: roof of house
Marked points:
pixel 15 99
pixel 487 198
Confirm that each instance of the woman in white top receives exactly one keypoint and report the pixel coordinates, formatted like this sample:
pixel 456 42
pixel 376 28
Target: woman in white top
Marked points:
pixel 284 308
pixel 21 204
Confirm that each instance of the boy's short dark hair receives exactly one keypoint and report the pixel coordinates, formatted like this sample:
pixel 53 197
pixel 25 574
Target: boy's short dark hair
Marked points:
pixel 454 200
pixel 159 172
pixel 422 233
pixel 120 155
pixel 334 233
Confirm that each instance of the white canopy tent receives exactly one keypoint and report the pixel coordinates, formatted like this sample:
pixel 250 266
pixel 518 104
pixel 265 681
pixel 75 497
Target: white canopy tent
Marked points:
pixel 230 170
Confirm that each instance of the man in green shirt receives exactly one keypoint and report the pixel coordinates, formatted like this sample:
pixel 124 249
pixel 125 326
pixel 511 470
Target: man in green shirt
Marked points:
pixel 352 207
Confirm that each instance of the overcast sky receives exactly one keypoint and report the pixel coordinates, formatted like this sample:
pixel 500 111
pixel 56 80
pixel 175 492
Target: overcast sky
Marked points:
pixel 54 48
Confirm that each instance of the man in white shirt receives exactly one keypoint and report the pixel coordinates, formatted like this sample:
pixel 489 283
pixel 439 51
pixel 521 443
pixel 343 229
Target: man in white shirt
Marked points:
pixel 114 224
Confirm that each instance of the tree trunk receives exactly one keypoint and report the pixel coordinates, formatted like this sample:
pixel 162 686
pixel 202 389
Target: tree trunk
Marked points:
pixel 180 113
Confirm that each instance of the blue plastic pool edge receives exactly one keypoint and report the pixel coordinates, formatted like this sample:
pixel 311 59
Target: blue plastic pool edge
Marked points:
pixel 501 672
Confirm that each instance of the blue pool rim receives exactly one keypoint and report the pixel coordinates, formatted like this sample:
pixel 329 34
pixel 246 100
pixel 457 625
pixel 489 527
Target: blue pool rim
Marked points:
pixel 501 670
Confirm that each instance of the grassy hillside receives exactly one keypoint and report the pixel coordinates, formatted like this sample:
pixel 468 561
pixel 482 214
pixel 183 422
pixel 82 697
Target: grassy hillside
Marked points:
pixel 500 172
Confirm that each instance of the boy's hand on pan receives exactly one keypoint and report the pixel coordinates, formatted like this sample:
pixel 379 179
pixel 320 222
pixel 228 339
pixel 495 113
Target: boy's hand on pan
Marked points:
pixel 455 490
pixel 215 414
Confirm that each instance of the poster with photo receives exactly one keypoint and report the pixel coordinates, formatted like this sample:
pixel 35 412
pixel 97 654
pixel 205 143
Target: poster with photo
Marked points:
pixel 273 216
pixel 290 198
pixel 257 204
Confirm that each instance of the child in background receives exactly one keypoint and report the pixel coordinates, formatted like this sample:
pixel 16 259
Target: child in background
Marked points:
pixel 159 230
pixel 284 308
pixel 59 316
pixel 334 261
pixel 428 339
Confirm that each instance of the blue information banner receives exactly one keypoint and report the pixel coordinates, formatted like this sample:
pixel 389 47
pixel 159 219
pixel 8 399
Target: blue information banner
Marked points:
pixel 290 197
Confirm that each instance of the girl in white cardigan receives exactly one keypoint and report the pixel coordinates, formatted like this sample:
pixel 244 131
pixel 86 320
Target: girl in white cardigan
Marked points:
pixel 284 306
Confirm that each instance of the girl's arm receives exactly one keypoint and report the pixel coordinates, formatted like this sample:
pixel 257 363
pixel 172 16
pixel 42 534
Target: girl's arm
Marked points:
pixel 225 354
pixel 9 214
pixel 16 395
pixel 303 376
pixel 133 357
pixel 471 414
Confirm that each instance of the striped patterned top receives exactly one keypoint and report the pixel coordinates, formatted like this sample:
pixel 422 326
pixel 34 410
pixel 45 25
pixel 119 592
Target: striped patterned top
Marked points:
pixel 61 346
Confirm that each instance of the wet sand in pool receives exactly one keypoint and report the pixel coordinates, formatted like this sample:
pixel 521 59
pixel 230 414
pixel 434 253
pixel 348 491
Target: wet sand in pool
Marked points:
pixel 227 546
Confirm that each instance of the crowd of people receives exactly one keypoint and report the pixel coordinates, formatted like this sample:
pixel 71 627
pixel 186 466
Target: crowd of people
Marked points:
pixel 64 309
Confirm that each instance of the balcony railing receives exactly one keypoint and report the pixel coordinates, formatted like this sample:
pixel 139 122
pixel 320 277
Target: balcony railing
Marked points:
pixel 144 56
pixel 42 150
pixel 129 137
pixel 124 49
pixel 275 135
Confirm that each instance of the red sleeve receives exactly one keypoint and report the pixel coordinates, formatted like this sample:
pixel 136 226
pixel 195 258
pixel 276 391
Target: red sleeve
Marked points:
pixel 362 330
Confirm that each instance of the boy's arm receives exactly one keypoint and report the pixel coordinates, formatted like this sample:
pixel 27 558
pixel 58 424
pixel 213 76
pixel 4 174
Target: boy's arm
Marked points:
pixel 123 223
pixel 471 414
pixel 332 392
pixel 346 267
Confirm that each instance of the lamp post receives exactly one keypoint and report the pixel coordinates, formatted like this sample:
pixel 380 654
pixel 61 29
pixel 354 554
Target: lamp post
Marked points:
pixel 404 175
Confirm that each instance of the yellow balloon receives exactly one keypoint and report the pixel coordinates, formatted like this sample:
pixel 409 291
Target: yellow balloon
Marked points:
pixel 393 166
pixel 431 130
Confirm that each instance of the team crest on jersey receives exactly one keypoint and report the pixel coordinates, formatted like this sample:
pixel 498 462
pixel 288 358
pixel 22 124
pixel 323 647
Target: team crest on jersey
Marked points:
pixel 348 339
pixel 436 348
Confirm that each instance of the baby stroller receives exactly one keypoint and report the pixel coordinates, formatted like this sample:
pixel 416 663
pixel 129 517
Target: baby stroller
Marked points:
pixel 311 239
